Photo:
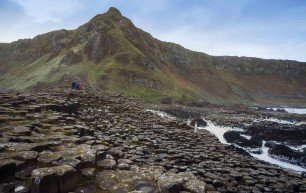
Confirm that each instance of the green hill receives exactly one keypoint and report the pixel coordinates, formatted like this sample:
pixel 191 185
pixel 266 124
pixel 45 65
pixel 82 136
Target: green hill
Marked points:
pixel 109 52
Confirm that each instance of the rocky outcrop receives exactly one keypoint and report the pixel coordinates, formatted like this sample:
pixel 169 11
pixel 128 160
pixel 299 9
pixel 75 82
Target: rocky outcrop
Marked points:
pixel 271 131
pixel 287 154
pixel 199 121
pixel 235 137
pixel 71 58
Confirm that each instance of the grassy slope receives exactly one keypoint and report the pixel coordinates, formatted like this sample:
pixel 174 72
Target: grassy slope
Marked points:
pixel 218 86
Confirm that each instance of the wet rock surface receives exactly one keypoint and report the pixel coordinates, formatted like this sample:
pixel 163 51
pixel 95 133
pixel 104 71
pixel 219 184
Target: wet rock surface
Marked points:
pixel 73 141
pixel 235 137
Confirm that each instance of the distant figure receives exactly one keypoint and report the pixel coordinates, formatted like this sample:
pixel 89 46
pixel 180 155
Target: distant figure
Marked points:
pixel 74 84
pixel 82 86
pixel 77 86
pixel 195 127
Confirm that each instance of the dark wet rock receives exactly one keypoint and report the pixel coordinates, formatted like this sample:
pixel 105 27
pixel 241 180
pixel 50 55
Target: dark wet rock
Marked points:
pixel 200 122
pixel 271 131
pixel 44 180
pixel 68 178
pixel 55 179
pixel 21 139
pixel 235 137
pixel 7 169
pixel 270 144
pixel 286 153
pixel 15 186
pixel 107 164
pixel 232 136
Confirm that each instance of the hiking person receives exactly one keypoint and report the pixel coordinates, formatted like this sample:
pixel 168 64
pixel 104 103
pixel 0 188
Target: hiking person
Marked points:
pixel 73 84
pixel 77 86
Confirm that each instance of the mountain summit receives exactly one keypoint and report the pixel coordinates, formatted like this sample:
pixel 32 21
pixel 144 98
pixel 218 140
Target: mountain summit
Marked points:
pixel 109 52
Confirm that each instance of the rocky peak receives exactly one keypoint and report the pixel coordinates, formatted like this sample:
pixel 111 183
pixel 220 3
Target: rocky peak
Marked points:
pixel 114 12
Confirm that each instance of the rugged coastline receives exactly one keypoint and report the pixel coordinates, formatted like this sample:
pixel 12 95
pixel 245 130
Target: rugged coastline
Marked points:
pixel 74 141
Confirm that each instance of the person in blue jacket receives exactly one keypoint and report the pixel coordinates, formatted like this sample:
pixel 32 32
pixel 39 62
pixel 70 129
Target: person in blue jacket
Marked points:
pixel 74 84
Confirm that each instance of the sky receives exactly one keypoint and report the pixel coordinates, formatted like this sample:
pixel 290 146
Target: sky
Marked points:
pixel 273 29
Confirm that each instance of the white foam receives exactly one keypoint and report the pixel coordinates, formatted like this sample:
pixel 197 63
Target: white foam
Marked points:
pixel 162 114
pixel 219 131
pixel 275 120
pixel 298 148
pixel 216 130
pixel 19 188
pixel 265 157
pixel 246 136
pixel 291 110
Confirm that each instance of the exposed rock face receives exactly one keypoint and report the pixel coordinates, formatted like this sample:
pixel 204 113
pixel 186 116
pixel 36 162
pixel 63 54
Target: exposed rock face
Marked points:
pixel 235 137
pixel 98 47
pixel 71 58
pixel 54 179
pixel 278 132
pixel 200 122
pixel 247 65
pixel 287 154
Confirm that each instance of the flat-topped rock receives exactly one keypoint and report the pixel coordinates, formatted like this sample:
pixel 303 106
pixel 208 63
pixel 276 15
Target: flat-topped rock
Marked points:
pixel 54 179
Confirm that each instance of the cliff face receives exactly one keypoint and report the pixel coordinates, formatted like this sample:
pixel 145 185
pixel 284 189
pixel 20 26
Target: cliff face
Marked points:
pixel 109 52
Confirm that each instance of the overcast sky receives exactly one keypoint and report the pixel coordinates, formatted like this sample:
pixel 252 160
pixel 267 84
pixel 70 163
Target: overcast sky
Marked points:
pixel 259 28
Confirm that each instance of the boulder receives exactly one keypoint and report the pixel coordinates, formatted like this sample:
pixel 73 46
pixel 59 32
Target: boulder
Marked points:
pixel 194 186
pixel 166 100
pixel 7 169
pixel 285 153
pixel 75 163
pixel 181 113
pixel 47 157
pixel 107 164
pixel 235 137
pixel 144 186
pixel 200 122
pixel 170 183
pixel 270 144
pixel 30 157
pixel 21 130
pixel 15 186
pixel 56 179
pixel 232 136
pixel 68 178
pixel 44 180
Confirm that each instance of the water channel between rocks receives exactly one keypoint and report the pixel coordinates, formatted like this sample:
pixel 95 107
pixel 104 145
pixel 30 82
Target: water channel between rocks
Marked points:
pixel 219 131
